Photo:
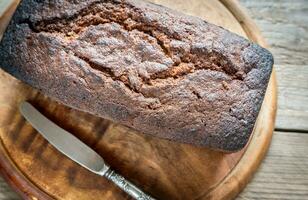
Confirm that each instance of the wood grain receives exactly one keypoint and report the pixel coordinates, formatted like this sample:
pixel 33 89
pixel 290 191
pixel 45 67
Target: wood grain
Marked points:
pixel 284 24
pixel 288 151
pixel 164 169
pixel 284 173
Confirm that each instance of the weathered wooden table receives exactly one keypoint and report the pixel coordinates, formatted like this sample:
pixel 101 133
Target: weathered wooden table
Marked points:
pixel 284 172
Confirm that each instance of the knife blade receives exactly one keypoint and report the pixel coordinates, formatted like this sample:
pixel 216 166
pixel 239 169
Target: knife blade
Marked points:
pixel 76 150
pixel 66 143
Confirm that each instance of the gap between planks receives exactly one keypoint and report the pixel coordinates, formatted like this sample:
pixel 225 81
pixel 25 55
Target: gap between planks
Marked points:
pixel 291 130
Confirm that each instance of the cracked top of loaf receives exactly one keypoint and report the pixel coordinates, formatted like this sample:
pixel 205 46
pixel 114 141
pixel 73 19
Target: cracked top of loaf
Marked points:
pixel 148 67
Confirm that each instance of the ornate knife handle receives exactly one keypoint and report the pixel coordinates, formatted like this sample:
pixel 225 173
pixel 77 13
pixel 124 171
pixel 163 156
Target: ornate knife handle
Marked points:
pixel 126 186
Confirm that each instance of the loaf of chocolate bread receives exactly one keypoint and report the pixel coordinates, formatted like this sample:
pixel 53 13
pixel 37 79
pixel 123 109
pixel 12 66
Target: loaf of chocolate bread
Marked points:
pixel 142 65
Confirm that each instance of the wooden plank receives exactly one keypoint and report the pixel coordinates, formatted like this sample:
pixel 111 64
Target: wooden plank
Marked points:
pixel 285 25
pixel 284 173
pixel 292 97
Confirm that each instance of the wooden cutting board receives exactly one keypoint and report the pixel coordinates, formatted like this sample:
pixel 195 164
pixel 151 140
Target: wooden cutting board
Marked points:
pixel 164 169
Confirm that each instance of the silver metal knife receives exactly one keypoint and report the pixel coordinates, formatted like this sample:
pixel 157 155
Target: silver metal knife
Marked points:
pixel 76 150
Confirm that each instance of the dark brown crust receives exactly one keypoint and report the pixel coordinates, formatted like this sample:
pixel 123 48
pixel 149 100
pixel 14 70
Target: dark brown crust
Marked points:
pixel 142 65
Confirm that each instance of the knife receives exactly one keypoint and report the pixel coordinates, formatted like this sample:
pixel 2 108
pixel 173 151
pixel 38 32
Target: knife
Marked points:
pixel 76 150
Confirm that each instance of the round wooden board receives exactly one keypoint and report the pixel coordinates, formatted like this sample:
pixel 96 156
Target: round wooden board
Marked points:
pixel 164 169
